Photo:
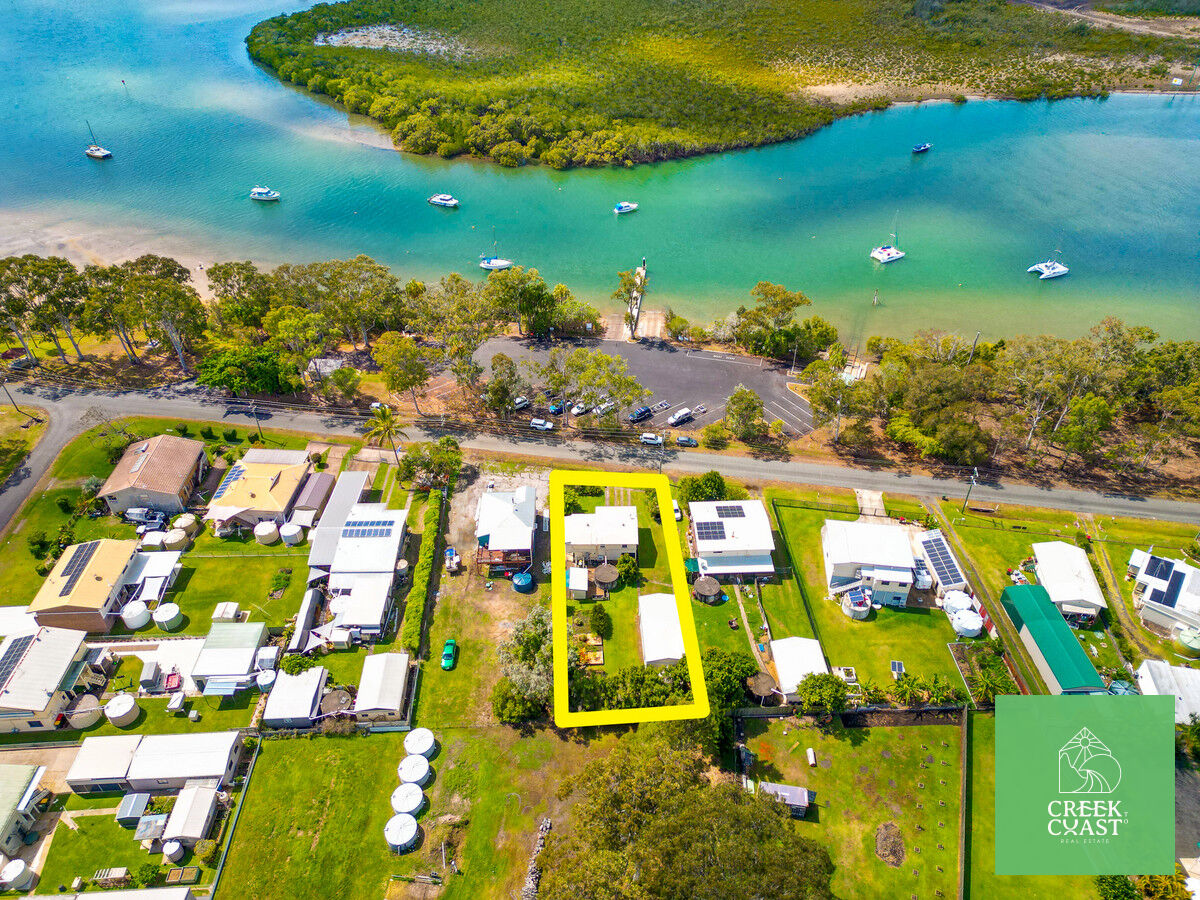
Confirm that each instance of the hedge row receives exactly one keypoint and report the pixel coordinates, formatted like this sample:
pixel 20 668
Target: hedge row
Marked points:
pixel 418 596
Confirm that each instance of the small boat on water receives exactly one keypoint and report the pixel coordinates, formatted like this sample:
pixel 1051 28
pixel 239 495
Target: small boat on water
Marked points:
pixel 1051 268
pixel 94 150
pixel 625 206
pixel 445 200
pixel 264 193
pixel 888 252
pixel 495 263
pixel 922 148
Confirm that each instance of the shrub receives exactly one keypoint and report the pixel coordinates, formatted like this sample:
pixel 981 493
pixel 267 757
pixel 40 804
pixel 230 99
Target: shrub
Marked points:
pixel 253 437
pixel 63 504
pixel 628 568
pixel 182 429
pixel 338 726
pixel 294 663
pixel 714 436
pixel 146 875
pixel 600 621
pixel 418 596
pixel 207 432
pixel 39 544
pixel 205 851
pixel 229 434
pixel 92 485
pixel 511 706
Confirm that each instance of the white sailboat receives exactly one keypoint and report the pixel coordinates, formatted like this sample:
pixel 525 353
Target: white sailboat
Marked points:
pixel 494 263
pixel 1051 268
pixel 888 252
pixel 94 150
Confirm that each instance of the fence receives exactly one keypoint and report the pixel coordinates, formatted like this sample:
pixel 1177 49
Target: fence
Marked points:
pixel 237 814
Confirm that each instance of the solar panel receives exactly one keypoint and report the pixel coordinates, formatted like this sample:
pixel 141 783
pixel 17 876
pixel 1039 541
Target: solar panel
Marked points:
pixel 710 531
pixel 945 566
pixel 1160 568
pixel 1158 595
pixel 81 556
pixel 235 472
pixel 12 656
pixel 731 512
pixel 1173 587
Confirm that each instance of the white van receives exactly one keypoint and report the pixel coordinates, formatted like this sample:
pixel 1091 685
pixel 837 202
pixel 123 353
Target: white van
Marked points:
pixel 680 416
pixel 678 511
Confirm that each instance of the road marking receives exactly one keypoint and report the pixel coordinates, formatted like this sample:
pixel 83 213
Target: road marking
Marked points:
pixel 786 417
pixel 737 361
pixel 800 411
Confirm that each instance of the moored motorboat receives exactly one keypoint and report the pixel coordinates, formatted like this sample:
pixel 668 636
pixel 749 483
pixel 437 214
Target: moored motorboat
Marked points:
pixel 1051 268
pixel 445 200
pixel 495 263
pixel 625 206
pixel 263 193
pixel 922 148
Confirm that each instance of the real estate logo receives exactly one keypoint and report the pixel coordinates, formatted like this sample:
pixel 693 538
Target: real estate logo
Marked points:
pixel 1065 805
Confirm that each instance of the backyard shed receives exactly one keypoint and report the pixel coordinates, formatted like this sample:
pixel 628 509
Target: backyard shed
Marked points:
pixel 795 658
pixel 577 583
pixel 660 629
pixel 382 687
pixel 798 799
pixel 192 816
pixel 606 576
pixel 132 808
pixel 295 700
pixel 230 651
pixel 707 589
pixel 1051 643
pixel 1065 571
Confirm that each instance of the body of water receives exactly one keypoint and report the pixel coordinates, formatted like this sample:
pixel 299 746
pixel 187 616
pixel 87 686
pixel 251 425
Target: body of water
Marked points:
pixel 194 124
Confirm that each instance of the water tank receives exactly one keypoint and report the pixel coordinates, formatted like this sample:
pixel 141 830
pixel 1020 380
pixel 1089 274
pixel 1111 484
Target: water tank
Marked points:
pixel 187 523
pixel 172 851
pixel 168 616
pixel 17 876
pixel 967 623
pixel 408 799
pixel 84 712
pixel 266 532
pixel 265 680
pixel 153 540
pixel 292 534
pixel 400 832
pixel 122 710
pixel 956 600
pixel 420 742
pixel 413 770
pixel 401 569
pixel 1187 641
pixel 135 615
pixel 176 539
pixel 523 582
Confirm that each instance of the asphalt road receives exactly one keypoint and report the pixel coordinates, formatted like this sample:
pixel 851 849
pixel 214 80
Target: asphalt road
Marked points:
pixel 71 412
pixel 682 378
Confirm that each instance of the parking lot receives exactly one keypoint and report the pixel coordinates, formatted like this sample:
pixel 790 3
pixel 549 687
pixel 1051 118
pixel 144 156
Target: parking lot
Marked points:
pixel 700 380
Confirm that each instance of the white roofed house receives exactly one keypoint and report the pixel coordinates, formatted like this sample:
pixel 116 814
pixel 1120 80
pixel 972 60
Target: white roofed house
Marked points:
pixel 227 659
pixel 295 700
pixel 732 539
pixel 1065 571
pixel 363 567
pixel 1166 592
pixel 660 629
pixel 40 674
pixel 505 529
pixel 382 687
pixel 154 763
pixel 871 555
pixel 607 534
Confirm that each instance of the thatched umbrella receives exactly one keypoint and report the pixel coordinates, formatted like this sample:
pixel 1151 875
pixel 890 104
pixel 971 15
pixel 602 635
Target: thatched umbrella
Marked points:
pixel 606 575
pixel 336 701
pixel 707 588
pixel 761 685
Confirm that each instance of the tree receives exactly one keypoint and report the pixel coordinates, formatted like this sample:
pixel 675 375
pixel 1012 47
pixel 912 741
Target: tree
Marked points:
pixel 384 426
pixel 523 296
pixel 598 376
pixel 627 288
pixel 677 325
pixel 908 690
pixel 298 336
pixel 510 706
pixel 600 621
pixel 822 692
pixel 462 319
pixel 173 311
pixel 110 307
pixel 243 370
pixel 714 436
pixel 57 290
pixel 16 307
pixel 743 413
pixel 702 488
pixel 768 325
pixel 1088 418
pixel 146 875
pixel 627 568
pixel 361 289
pixel 527 657
pixel 504 386
pixel 1116 887
pixel 294 663
pixel 341 384
pixel 433 464
pixel 405 365
pixel 242 294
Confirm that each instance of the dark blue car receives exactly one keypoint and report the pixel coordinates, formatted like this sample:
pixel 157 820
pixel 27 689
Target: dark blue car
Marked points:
pixel 556 408
pixel 640 414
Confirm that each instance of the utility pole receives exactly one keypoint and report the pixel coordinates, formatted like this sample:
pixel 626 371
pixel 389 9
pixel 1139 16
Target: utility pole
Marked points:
pixel 254 410
pixel 4 384
pixel 966 499
pixel 795 350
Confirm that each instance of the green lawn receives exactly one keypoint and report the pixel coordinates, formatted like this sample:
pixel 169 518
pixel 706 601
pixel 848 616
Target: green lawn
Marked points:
pixel 865 778
pixel 712 624
pixel 902 507
pixel 314 813
pixel 207 581
pixel 18 435
pixel 624 648
pixel 982 882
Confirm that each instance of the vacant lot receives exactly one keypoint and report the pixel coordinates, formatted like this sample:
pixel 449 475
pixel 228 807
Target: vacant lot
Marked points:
pixel 870 783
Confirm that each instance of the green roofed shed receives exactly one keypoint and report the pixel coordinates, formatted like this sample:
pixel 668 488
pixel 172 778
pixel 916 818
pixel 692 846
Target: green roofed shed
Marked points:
pixel 1051 642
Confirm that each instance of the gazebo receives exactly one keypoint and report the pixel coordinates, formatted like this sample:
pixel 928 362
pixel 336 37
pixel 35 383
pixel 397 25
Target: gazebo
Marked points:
pixel 606 576
pixel 707 589
pixel 336 701
pixel 763 687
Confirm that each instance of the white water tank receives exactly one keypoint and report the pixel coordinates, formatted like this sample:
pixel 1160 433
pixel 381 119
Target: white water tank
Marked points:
pixel 408 798
pixel 400 832
pixel 153 540
pixel 135 615
pixel 955 601
pixel 420 742
pixel 17 876
pixel 176 539
pixel 168 616
pixel 413 770
pixel 967 623
pixel 265 680
pixel 292 534
pixel 187 523
pixel 122 710
pixel 172 851
pixel 266 532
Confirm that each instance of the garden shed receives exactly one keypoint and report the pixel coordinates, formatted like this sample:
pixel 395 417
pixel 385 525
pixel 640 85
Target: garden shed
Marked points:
pixel 295 700
pixel 660 629
pixel 132 808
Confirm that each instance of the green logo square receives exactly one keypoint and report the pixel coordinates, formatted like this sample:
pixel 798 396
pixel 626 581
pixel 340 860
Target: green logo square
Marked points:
pixel 1085 785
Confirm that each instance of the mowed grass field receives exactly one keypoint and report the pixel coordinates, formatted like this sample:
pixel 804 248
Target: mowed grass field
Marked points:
pixel 866 778
pixel 312 826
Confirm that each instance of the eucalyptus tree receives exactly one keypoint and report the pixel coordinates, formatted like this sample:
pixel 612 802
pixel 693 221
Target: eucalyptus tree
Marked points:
pixel 242 294
pixel 16 308
pixel 404 365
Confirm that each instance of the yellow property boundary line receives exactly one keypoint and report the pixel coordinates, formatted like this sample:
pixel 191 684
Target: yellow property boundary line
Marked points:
pixel 563 716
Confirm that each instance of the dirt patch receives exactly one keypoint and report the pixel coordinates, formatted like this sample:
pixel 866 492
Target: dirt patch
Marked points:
pixel 889 844
pixel 1161 26
pixel 57 762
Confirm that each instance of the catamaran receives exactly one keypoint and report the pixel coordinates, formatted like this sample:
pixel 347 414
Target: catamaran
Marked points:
pixel 445 200
pixel 888 252
pixel 625 206
pixel 263 193
pixel 94 150
pixel 1051 268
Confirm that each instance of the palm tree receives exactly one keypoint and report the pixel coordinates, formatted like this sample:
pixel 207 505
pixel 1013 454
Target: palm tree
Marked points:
pixel 384 426
pixel 908 689
pixel 988 683
pixel 939 691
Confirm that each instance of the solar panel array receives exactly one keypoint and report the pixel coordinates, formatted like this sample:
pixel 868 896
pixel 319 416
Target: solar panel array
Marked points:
pixel 12 656
pixel 731 512
pixel 379 528
pixel 945 566
pixel 1173 588
pixel 710 531
pixel 235 472
pixel 1160 568
pixel 76 564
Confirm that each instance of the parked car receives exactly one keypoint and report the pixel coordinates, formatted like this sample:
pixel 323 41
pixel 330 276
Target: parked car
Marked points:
pixel 449 654
pixel 556 408
pixel 654 440
pixel 680 416
pixel 579 408
pixel 604 407
pixel 684 441
pixel 678 511
pixel 541 425
pixel 520 403
pixel 640 414
pixel 140 515
pixel 377 405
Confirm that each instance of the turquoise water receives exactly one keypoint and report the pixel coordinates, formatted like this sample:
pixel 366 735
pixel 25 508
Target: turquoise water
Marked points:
pixel 1114 185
